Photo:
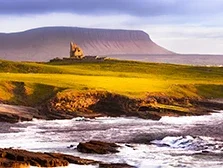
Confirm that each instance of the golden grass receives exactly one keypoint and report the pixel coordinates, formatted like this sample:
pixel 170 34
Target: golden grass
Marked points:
pixel 133 79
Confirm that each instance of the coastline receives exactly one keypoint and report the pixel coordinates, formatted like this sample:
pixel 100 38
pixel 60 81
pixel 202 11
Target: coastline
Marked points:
pixel 157 91
pixel 105 104
pixel 196 132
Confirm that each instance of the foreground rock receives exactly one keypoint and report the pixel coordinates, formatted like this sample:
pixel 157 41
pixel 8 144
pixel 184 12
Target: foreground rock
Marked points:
pixel 17 158
pixel 13 114
pixel 98 147
pixel 115 165
pixel 21 158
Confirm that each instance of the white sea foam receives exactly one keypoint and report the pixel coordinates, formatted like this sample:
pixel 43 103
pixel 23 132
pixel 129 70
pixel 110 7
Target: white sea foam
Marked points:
pixel 74 166
pixel 58 135
pixel 218 116
pixel 81 166
pixel 189 143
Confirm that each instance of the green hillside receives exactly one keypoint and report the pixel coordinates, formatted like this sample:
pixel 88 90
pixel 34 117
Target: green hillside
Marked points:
pixel 36 82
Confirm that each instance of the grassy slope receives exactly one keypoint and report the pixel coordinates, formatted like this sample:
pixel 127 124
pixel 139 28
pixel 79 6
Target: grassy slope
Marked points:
pixel 130 78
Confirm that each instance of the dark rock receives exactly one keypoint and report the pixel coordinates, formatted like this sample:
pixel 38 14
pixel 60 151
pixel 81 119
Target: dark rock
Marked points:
pixel 13 114
pixel 210 104
pixel 130 146
pixel 97 147
pixel 33 158
pixel 73 159
pixel 148 108
pixel 115 105
pixel 149 115
pixel 71 146
pixel 115 165
pixel 11 118
pixel 22 158
pixel 12 164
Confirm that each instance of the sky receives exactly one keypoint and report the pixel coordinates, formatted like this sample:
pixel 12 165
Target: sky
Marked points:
pixel 182 26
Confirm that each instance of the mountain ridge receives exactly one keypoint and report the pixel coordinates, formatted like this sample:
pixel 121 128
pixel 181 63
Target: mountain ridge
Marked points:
pixel 45 43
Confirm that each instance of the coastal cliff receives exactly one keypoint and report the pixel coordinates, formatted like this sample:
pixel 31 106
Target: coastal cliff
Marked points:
pixel 63 90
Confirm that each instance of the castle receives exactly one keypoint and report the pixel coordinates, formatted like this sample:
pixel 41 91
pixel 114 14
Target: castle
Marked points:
pixel 77 54
pixel 75 51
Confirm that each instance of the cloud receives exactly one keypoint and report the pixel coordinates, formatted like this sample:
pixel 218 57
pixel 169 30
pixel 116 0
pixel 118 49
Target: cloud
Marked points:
pixel 187 39
pixel 180 25
pixel 142 8
pixel 22 23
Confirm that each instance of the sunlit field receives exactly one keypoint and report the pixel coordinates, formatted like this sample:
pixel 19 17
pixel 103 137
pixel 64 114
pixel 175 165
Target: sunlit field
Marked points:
pixel 134 79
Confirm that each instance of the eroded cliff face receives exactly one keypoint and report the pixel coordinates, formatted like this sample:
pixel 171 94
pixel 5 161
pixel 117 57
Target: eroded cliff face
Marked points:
pixel 43 44
pixel 92 104
pixel 67 104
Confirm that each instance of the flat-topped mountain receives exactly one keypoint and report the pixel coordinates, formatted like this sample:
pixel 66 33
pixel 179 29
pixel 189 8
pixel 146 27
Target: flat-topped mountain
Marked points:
pixel 43 44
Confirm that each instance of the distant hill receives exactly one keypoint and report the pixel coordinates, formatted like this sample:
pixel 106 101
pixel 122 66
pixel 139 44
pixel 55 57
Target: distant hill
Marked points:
pixel 43 44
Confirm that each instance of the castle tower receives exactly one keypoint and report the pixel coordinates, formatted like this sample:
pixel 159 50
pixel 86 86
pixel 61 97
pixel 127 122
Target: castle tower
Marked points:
pixel 75 51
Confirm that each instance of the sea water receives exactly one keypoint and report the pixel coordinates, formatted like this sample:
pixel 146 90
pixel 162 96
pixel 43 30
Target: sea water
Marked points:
pixel 170 142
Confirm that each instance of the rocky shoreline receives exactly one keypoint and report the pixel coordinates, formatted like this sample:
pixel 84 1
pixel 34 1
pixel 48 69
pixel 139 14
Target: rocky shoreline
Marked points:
pixel 91 105
pixel 101 104
pixel 94 105
pixel 17 158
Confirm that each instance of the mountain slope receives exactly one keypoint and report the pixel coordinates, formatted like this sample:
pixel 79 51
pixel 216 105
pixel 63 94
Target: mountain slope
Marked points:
pixel 42 44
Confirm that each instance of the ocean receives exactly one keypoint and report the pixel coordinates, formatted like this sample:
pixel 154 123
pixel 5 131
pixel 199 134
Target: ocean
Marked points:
pixel 189 141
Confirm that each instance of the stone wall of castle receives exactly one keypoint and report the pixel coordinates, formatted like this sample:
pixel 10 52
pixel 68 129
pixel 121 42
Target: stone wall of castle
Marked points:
pixel 75 51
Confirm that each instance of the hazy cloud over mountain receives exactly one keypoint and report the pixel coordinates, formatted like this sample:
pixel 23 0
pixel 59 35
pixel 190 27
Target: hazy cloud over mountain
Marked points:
pixel 101 7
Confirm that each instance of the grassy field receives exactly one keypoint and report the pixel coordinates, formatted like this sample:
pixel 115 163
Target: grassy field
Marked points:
pixel 134 79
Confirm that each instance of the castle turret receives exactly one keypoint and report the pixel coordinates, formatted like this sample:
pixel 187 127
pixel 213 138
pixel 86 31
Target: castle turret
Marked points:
pixel 75 51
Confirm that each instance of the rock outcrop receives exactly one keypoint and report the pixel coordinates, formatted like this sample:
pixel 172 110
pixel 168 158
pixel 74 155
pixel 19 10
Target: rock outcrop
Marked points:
pixel 98 103
pixel 18 158
pixel 43 44
pixel 115 165
pixel 98 147
pixel 93 104
pixel 13 114
pixel 90 104
pixel 21 158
